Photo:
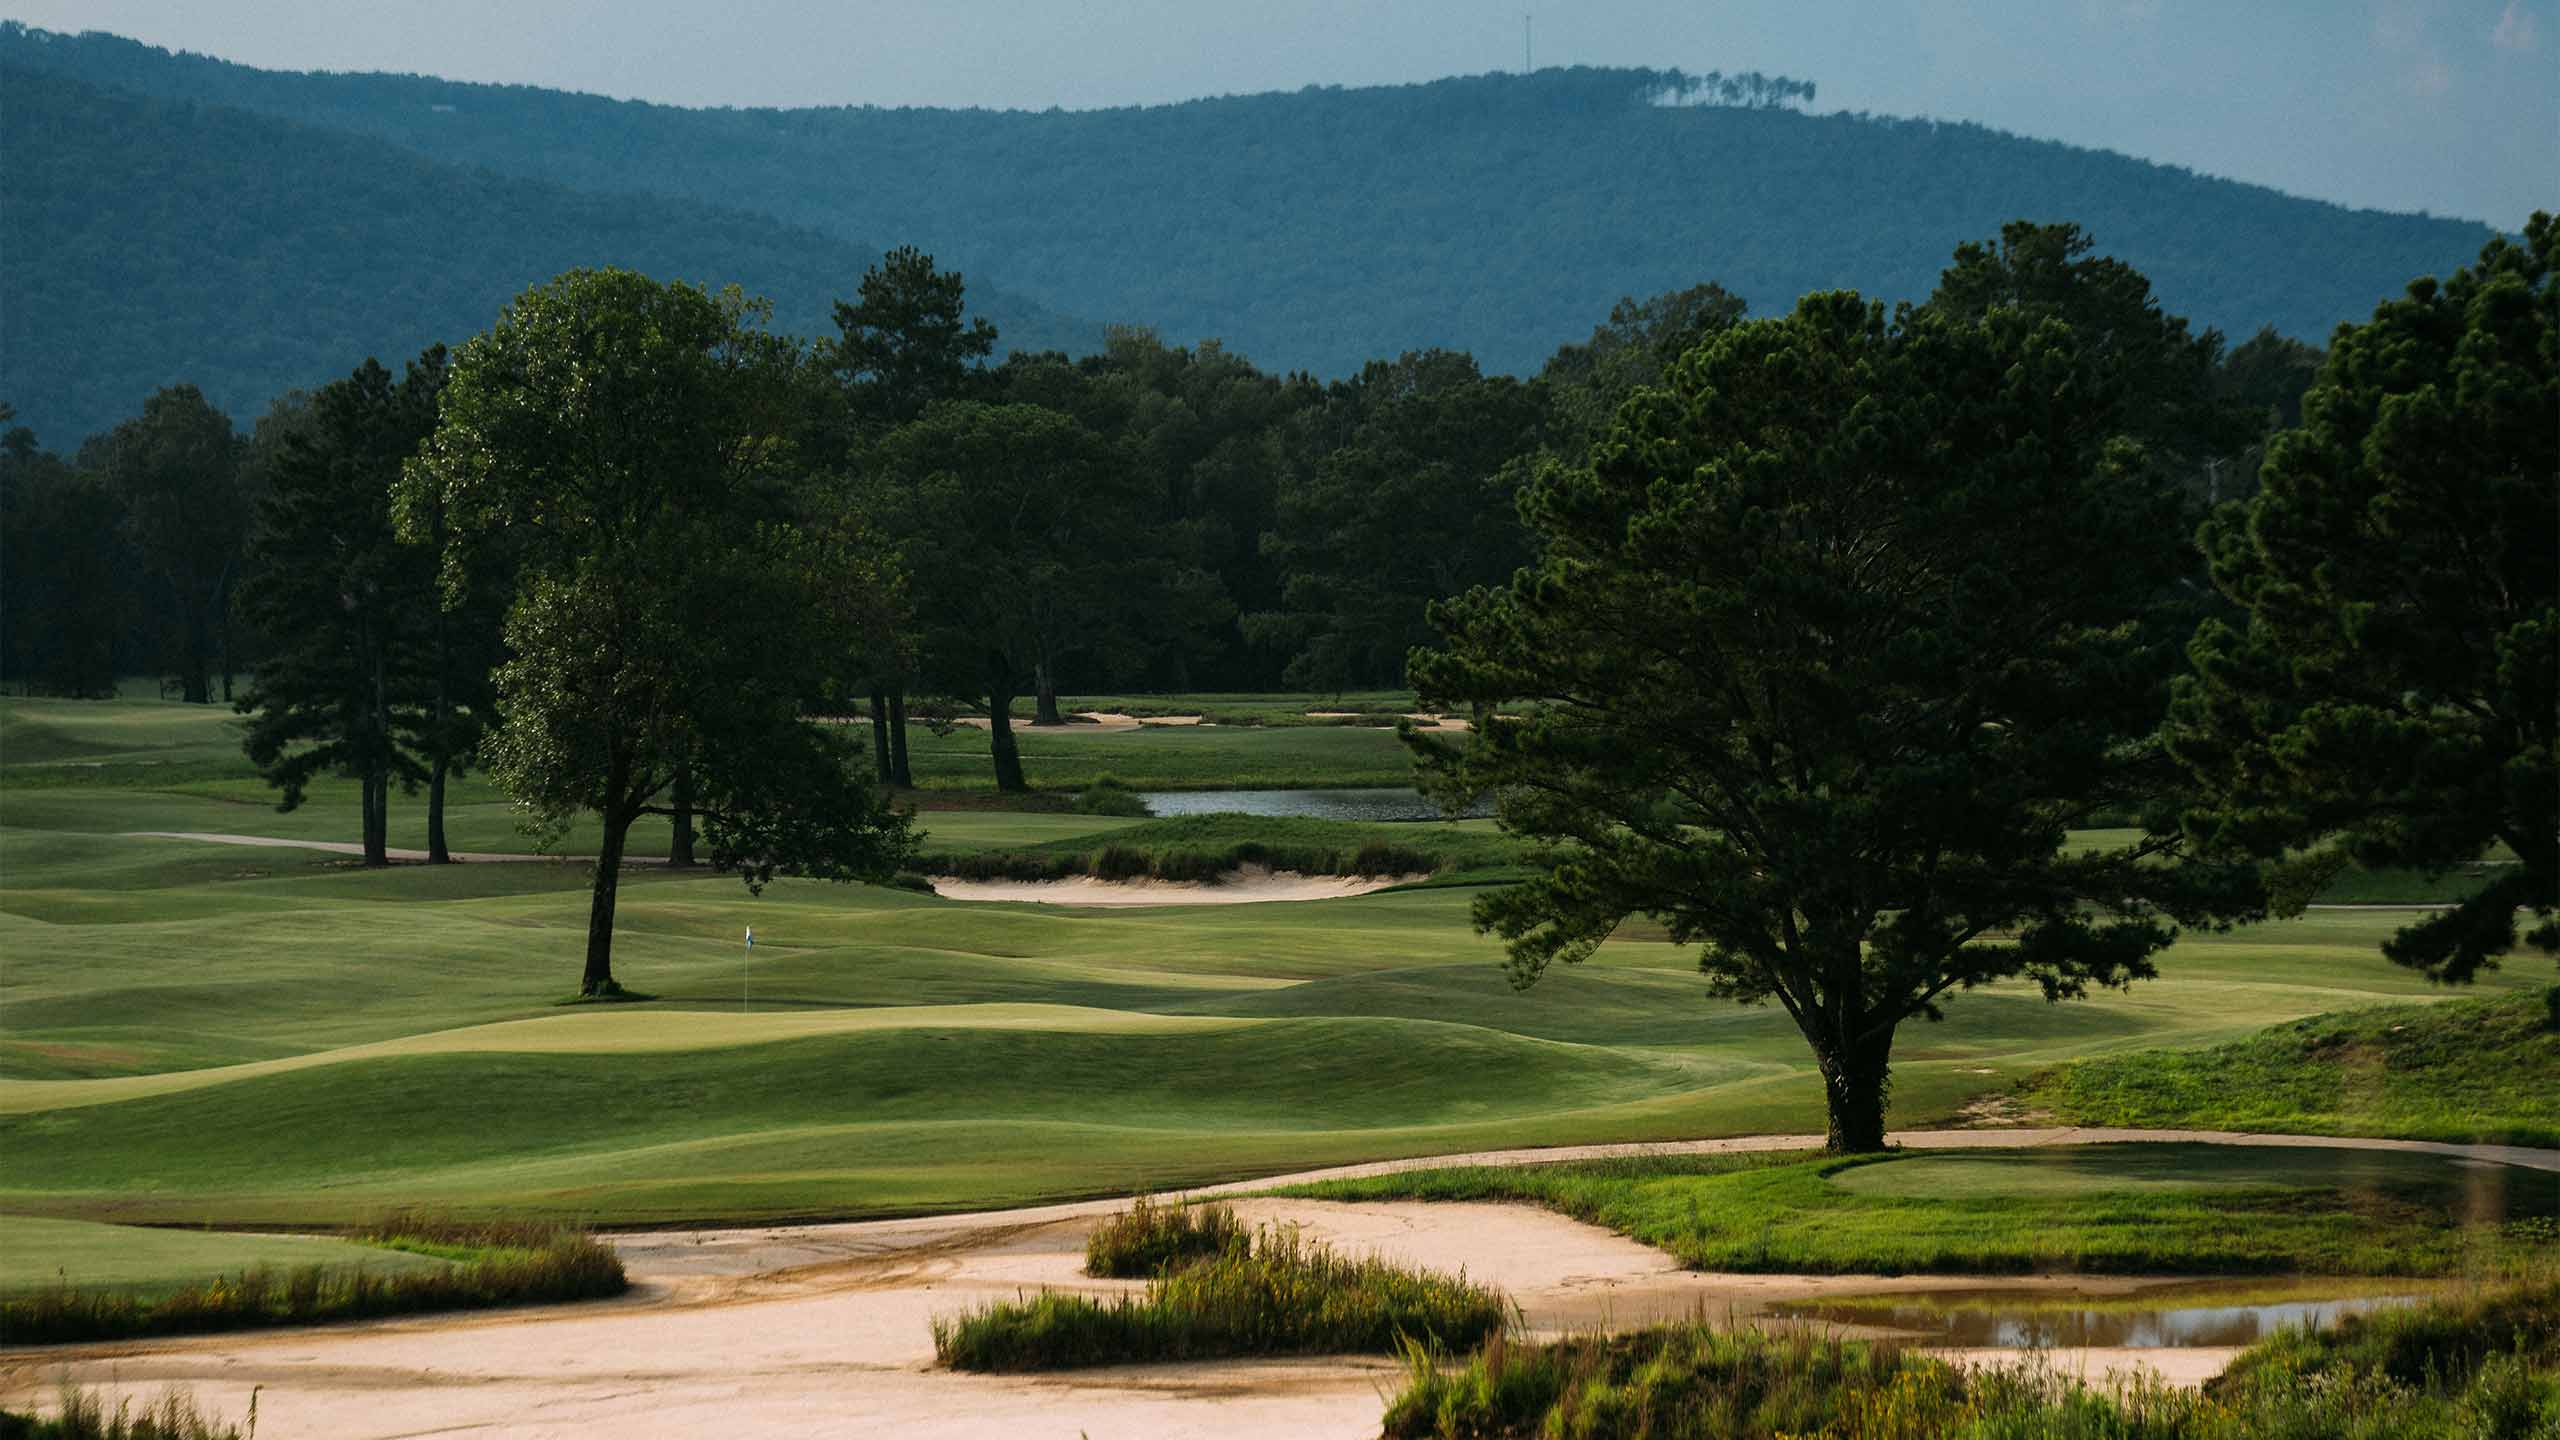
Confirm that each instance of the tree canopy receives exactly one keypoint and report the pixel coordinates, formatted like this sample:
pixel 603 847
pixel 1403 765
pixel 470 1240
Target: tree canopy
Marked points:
pixel 628 436
pixel 1837 633
pixel 348 684
pixel 2390 694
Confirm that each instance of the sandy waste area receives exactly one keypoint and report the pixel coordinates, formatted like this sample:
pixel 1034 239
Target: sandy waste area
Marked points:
pixel 817 1330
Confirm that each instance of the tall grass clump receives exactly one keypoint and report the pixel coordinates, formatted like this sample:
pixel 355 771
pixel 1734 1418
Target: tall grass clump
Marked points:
pixel 491 1264
pixel 1277 1295
pixel 1148 1238
pixel 2481 1368
pixel 1107 796
pixel 80 1415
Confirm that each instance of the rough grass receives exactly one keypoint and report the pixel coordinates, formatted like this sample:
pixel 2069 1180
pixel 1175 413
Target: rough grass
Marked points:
pixel 82 1414
pixel 491 1265
pixel 2232 1211
pixel 2481 1368
pixel 2468 1070
pixel 1149 1238
pixel 1277 1295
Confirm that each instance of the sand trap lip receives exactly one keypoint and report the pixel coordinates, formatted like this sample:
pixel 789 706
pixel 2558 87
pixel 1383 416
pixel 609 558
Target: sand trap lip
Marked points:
pixel 1252 884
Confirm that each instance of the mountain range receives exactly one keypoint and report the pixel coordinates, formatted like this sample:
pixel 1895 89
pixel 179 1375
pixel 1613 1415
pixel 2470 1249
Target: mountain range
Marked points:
pixel 173 217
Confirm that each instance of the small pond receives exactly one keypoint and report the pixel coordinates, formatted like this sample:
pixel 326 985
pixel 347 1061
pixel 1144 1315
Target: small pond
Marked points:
pixel 2212 1314
pixel 1384 804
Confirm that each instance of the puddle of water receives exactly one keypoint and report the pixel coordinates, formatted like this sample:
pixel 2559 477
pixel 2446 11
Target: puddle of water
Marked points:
pixel 1379 804
pixel 2171 1317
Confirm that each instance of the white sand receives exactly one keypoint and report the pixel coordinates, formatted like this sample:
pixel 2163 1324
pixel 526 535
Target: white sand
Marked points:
pixel 1250 885
pixel 826 1329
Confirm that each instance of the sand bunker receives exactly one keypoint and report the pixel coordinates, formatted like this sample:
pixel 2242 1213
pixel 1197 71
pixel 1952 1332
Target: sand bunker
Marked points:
pixel 802 1330
pixel 799 1330
pixel 1250 885
pixel 1099 719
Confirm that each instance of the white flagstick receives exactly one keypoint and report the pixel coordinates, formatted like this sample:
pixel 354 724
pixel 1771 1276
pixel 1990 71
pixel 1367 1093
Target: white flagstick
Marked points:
pixel 743 957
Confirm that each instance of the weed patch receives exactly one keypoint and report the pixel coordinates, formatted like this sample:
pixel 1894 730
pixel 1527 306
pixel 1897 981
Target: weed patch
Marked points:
pixel 79 1414
pixel 1148 1238
pixel 1276 1295
pixel 2480 1367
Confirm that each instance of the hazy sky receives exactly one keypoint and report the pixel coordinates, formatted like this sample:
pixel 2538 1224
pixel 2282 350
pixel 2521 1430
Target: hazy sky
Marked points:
pixel 2451 106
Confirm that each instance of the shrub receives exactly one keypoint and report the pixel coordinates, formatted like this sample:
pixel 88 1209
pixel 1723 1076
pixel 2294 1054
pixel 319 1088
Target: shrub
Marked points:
pixel 1276 1295
pixel 1196 866
pixel 1106 796
pixel 1122 862
pixel 1382 858
pixel 1148 1238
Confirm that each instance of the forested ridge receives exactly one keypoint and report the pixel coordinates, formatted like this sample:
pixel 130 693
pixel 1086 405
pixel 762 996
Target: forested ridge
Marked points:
pixel 152 242
pixel 1323 228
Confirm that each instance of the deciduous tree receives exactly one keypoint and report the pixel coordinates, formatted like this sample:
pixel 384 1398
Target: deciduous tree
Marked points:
pixel 626 434
pixel 1837 634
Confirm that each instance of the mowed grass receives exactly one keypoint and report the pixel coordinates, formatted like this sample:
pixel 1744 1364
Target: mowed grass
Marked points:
pixel 195 1033
pixel 2098 1209
pixel 39 1253
pixel 2481 1070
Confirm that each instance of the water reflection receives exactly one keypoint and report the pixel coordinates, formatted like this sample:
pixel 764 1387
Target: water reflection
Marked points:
pixel 1383 804
pixel 2024 1319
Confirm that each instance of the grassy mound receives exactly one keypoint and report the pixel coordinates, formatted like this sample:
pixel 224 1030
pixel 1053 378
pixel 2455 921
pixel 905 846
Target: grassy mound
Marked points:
pixel 2478 1368
pixel 490 1265
pixel 1278 1294
pixel 2465 1070
pixel 1207 847
pixel 2115 1209
pixel 1148 1238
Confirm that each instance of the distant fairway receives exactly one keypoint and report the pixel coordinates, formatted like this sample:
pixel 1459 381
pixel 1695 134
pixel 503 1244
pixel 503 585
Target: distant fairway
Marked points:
pixel 201 1033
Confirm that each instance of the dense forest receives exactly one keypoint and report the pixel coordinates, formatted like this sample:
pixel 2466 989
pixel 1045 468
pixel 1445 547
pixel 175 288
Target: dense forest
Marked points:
pixel 1314 230
pixel 151 242
pixel 1146 516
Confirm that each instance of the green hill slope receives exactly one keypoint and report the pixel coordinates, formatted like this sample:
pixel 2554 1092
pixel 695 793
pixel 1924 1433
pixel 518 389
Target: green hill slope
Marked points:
pixel 1319 229
pixel 152 241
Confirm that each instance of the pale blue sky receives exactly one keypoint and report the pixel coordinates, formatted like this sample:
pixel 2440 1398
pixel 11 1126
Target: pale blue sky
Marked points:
pixel 2450 106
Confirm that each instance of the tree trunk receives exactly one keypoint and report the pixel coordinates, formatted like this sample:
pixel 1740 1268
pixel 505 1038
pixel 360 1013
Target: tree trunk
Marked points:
pixel 680 842
pixel 598 979
pixel 1855 1079
pixel 880 738
pixel 377 823
pixel 899 774
pixel 1000 741
pixel 377 769
pixel 436 853
pixel 1045 709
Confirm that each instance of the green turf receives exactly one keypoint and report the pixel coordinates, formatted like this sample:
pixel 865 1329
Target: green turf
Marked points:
pixel 2484 1069
pixel 329 1041
pixel 39 1253
pixel 2109 1209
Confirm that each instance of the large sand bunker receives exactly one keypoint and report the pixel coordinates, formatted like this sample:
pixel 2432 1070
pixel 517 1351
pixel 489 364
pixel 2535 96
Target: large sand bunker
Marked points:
pixel 1245 886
